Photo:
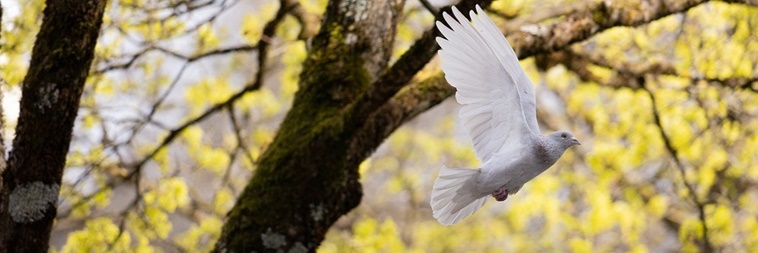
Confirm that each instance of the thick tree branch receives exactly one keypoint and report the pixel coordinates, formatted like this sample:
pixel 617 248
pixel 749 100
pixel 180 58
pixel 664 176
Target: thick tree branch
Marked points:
pixel 515 24
pixel 625 75
pixel 600 17
pixel 400 73
pixel 407 104
pixel 574 27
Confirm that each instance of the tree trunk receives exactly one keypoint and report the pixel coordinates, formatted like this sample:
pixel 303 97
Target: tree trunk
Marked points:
pixel 51 91
pixel 303 182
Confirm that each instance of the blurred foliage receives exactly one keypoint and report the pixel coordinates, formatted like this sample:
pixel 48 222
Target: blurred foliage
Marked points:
pixel 621 191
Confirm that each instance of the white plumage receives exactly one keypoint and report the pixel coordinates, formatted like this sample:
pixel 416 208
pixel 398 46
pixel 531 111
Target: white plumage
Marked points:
pixel 498 111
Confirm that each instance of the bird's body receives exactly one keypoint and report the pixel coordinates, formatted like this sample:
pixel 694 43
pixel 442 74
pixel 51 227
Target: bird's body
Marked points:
pixel 511 174
pixel 499 112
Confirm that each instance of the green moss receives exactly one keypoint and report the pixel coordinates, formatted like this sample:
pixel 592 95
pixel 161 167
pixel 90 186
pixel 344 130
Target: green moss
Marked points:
pixel 307 154
pixel 335 67
pixel 599 15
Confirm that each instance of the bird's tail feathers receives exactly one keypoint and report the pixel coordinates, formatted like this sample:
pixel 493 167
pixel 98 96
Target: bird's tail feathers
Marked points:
pixel 455 196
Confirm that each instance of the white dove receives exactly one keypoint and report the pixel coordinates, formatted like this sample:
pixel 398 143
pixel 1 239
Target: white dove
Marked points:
pixel 498 111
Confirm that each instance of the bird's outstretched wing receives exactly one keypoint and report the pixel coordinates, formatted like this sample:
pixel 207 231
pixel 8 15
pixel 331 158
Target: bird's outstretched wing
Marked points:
pixel 497 96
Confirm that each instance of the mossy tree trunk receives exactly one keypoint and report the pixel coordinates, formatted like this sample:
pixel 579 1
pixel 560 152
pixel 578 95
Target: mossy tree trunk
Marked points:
pixel 308 176
pixel 60 61
pixel 303 182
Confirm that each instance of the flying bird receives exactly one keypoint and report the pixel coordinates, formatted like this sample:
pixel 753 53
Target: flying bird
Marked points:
pixel 498 111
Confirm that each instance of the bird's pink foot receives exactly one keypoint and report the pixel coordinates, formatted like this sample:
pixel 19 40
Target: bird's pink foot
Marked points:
pixel 500 194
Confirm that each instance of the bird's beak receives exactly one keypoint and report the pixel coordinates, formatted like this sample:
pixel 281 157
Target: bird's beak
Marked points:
pixel 576 141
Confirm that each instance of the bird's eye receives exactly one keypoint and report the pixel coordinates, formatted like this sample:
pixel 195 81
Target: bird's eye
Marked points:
pixel 563 136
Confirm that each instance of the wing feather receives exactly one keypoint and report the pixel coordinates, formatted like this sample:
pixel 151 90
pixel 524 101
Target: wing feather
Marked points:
pixel 508 58
pixel 497 97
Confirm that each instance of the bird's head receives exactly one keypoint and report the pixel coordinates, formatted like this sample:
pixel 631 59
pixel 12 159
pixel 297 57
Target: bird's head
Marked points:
pixel 565 138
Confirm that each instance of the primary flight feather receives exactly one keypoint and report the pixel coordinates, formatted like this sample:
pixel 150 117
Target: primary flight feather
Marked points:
pixel 498 111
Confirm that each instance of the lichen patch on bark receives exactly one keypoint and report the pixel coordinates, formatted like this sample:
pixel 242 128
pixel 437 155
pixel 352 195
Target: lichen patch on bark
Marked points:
pixel 27 203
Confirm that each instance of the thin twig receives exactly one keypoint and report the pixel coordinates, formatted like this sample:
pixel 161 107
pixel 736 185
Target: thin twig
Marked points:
pixel 268 31
pixel 159 102
pixel 680 166
pixel 262 46
pixel 238 134
pixel 430 7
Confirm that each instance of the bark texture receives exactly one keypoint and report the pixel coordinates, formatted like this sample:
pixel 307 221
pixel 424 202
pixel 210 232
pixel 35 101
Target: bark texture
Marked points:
pixel 51 91
pixel 303 182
